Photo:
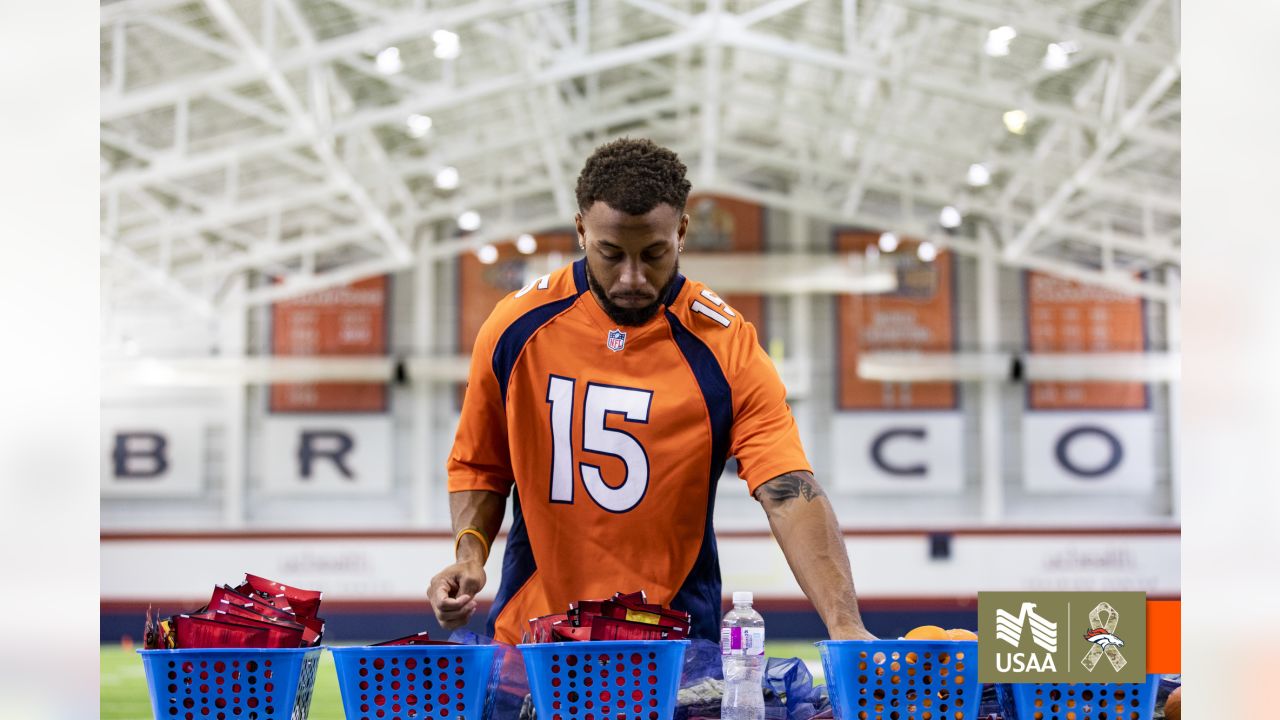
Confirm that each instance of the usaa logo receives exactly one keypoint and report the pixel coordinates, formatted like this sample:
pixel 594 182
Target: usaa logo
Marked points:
pixel 1043 633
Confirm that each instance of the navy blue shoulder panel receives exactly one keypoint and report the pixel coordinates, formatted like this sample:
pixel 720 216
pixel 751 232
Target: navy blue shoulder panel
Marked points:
pixel 518 333
pixel 699 595
pixel 674 292
pixel 518 563
pixel 580 275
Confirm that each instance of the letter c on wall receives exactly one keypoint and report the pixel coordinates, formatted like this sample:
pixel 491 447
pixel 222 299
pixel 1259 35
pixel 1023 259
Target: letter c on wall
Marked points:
pixel 877 451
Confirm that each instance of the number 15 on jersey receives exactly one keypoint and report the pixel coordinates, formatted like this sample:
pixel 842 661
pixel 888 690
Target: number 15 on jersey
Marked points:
pixel 600 401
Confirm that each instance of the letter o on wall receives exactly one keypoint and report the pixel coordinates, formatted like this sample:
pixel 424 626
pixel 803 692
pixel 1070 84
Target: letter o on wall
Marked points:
pixel 1114 456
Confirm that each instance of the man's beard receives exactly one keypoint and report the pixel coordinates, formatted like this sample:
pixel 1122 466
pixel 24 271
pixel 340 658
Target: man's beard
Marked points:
pixel 629 315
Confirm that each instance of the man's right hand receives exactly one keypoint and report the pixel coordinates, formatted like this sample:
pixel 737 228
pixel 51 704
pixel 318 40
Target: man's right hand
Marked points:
pixel 452 593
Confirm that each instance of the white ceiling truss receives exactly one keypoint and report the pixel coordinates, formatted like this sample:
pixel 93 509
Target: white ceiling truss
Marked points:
pixel 264 139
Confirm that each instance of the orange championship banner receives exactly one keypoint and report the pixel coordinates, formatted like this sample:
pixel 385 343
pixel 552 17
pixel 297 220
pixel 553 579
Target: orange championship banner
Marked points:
pixel 719 224
pixel 481 286
pixel 1095 437
pixel 918 316
pixel 1064 316
pixel 347 320
pixel 897 437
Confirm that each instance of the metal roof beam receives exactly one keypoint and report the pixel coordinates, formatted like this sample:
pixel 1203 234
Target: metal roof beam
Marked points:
pixel 157 278
pixel 1033 22
pixel 438 98
pixel 1158 249
pixel 407 25
pixel 1001 96
pixel 306 122
pixel 1048 212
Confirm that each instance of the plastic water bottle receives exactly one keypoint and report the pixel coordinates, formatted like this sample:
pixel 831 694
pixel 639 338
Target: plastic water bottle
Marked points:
pixel 742 652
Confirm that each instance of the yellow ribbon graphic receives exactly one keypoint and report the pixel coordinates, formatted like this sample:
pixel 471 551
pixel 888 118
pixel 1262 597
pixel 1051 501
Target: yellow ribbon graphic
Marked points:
pixel 1097 650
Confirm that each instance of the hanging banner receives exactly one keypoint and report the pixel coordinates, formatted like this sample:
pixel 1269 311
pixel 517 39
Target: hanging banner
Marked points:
pixel 720 224
pixel 348 320
pixel 153 451
pixel 1087 437
pixel 481 286
pixel 327 454
pixel 897 437
pixel 1064 316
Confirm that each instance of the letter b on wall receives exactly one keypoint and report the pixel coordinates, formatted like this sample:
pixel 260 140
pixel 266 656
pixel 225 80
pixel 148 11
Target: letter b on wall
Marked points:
pixel 152 451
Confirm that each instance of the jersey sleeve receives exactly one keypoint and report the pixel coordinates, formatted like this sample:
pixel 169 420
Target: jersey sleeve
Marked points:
pixel 481 459
pixel 765 439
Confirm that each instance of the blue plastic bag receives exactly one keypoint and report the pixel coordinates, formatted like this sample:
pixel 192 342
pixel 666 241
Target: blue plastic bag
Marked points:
pixel 791 680
pixel 512 683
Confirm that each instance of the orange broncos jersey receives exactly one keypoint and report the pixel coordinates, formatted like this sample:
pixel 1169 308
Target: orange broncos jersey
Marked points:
pixel 614 438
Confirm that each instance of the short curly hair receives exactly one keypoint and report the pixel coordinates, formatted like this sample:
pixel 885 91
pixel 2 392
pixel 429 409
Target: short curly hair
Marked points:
pixel 633 176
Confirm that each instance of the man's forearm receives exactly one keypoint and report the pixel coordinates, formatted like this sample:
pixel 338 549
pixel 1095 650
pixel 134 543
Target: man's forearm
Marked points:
pixel 809 535
pixel 479 509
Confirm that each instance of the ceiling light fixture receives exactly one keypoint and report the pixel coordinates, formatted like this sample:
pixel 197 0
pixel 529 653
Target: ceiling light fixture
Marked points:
pixel 526 244
pixel 469 220
pixel 1015 121
pixel 888 242
pixel 388 61
pixel 978 175
pixel 448 46
pixel 1057 56
pixel 927 251
pixel 998 40
pixel 419 125
pixel 447 178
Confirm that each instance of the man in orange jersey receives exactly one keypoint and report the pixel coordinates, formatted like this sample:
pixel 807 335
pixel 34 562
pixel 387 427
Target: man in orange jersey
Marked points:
pixel 605 398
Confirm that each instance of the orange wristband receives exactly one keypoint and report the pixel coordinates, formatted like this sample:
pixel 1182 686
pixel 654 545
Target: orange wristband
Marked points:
pixel 457 540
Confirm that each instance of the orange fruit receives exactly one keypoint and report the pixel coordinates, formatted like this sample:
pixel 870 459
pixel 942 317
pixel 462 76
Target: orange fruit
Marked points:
pixel 926 632
pixel 1173 705
pixel 961 634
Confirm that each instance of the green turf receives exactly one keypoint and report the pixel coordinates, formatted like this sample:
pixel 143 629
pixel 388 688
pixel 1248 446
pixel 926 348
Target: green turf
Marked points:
pixel 124 687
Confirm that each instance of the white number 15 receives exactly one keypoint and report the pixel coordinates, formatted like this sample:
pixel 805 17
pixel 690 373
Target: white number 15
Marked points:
pixel 601 402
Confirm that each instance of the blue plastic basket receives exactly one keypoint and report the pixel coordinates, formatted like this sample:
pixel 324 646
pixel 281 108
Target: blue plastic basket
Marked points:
pixel 231 683
pixel 605 679
pixel 416 682
pixel 902 679
pixel 1080 701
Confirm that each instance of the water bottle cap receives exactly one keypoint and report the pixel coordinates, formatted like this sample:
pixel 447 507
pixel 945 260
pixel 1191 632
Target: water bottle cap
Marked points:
pixel 742 598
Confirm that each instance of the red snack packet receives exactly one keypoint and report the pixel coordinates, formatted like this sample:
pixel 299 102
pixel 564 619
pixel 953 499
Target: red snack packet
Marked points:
pixel 224 597
pixel 562 631
pixel 652 614
pixel 419 639
pixel 607 628
pixel 201 633
pixel 248 614
pixel 540 628
pixel 276 634
pixel 637 596
pixel 303 603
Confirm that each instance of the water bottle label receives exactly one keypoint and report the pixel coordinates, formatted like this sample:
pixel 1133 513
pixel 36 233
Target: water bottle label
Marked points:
pixel 741 641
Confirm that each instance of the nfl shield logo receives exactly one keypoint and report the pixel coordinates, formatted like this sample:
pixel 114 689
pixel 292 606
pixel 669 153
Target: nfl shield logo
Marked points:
pixel 617 339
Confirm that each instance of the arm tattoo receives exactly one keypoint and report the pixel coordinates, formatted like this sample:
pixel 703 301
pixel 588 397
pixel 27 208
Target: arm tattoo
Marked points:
pixel 790 486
